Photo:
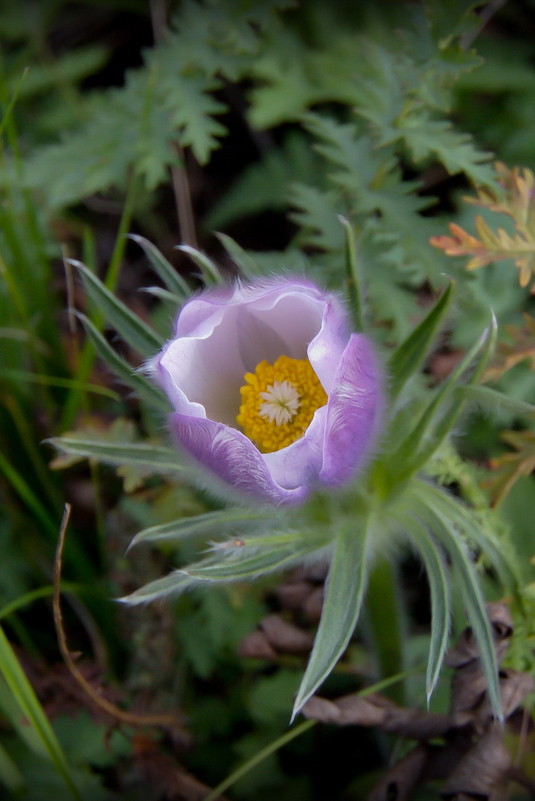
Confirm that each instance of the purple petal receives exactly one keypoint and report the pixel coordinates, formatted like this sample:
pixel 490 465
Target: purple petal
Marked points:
pixel 233 458
pixel 325 351
pixel 354 412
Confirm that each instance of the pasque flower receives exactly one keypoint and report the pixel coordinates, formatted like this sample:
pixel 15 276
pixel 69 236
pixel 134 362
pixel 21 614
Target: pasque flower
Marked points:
pixel 270 389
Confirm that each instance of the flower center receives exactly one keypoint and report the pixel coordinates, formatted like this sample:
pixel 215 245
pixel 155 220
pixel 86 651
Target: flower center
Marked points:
pixel 278 402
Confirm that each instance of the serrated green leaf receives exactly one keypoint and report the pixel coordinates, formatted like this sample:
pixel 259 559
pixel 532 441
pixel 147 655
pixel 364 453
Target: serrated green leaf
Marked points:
pixel 201 524
pixel 439 588
pixel 149 457
pixel 316 211
pixel 133 330
pixel 143 388
pixel 192 108
pixel 170 277
pixel 410 355
pixel 344 594
pixel 456 151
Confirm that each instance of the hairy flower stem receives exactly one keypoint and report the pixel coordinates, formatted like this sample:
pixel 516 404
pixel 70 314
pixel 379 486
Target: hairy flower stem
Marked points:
pixel 384 615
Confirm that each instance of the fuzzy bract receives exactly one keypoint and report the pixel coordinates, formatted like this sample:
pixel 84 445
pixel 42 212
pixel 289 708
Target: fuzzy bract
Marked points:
pixel 270 389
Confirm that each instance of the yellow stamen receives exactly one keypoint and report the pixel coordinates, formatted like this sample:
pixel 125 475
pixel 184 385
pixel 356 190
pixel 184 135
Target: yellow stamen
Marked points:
pixel 278 402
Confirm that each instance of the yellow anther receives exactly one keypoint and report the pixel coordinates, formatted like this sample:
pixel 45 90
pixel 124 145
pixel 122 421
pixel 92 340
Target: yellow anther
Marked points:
pixel 278 402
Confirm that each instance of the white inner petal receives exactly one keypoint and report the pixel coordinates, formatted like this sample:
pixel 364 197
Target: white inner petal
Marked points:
pixel 281 402
pixel 207 365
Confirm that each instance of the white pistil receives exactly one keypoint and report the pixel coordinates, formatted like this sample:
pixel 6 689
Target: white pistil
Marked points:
pixel 281 402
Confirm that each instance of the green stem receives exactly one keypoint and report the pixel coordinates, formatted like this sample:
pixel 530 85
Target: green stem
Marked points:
pixel 385 623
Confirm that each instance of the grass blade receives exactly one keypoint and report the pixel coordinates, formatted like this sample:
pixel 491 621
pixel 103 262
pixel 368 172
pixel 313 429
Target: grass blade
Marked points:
pixel 32 710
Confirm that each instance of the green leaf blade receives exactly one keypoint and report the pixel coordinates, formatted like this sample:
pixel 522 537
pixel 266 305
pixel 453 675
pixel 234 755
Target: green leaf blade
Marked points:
pixel 199 525
pixel 133 330
pixel 344 596
pixel 170 277
pixel 439 588
pixel 143 388
pixel 157 459
pixel 410 355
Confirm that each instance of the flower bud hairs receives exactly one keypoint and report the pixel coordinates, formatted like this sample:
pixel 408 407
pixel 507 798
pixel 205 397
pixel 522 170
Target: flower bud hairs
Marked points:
pixel 271 391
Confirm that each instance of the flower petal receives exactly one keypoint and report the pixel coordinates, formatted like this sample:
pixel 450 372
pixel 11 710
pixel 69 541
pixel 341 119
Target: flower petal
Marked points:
pixel 233 458
pixel 299 464
pixel 325 351
pixel 354 412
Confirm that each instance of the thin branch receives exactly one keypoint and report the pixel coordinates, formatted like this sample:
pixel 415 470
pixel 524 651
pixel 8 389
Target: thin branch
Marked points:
pixel 179 175
pixel 121 715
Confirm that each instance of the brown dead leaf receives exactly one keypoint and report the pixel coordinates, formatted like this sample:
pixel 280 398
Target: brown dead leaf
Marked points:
pixel 286 637
pixel 466 649
pixel 256 646
pixel 402 778
pixel 377 710
pixel 510 467
pixel 482 772
pixel 515 203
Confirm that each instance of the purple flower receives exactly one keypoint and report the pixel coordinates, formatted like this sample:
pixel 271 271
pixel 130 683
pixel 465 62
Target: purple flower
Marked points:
pixel 270 389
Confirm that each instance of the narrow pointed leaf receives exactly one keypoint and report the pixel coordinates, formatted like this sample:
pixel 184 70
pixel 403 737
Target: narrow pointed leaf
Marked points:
pixel 143 388
pixel 410 355
pixel 163 295
pixel 208 268
pixel 344 595
pixel 169 275
pixel 160 460
pixel 239 256
pixel 354 277
pixel 491 399
pixel 427 435
pixel 236 568
pixel 10 775
pixel 131 328
pixel 439 588
pixel 494 550
pixel 199 525
pixel 473 600
pixel 174 583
